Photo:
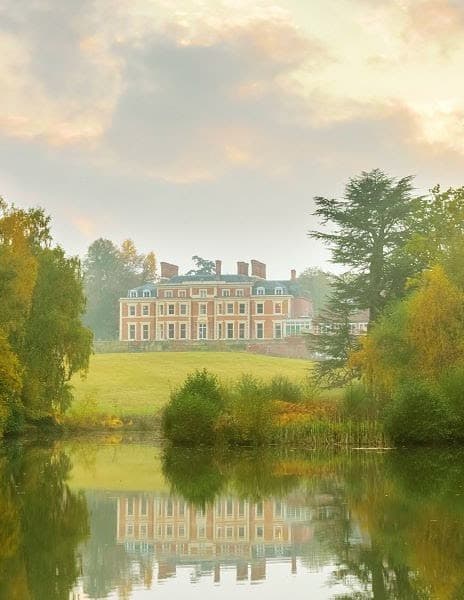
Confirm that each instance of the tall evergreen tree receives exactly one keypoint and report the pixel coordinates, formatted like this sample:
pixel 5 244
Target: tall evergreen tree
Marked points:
pixel 368 229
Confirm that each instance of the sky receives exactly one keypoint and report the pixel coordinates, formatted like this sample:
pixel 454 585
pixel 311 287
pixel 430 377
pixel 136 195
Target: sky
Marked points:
pixel 201 127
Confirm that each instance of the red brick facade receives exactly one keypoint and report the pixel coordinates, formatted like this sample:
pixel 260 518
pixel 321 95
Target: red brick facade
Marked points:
pixel 213 307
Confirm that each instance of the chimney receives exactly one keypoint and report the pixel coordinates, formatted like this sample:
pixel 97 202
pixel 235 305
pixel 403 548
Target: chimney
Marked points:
pixel 218 268
pixel 293 275
pixel 258 269
pixel 168 270
pixel 242 268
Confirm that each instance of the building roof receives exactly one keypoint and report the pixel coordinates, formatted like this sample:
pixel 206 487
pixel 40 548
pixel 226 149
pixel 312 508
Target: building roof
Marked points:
pixel 288 287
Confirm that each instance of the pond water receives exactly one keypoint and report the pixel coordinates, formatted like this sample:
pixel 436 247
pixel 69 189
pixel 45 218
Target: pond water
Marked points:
pixel 126 519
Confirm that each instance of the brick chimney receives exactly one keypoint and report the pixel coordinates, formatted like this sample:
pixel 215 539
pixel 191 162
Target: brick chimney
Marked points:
pixel 293 275
pixel 168 270
pixel 258 269
pixel 242 268
pixel 218 268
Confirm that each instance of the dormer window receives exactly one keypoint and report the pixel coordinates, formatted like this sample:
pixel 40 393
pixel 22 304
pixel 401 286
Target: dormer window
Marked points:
pixel 168 294
pixel 278 291
pixel 260 291
pixel 146 293
pixel 133 294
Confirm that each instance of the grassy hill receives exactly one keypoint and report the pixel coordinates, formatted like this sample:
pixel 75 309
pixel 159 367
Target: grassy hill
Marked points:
pixel 140 383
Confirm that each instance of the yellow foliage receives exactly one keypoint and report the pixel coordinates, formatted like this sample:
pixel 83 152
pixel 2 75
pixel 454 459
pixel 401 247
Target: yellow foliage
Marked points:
pixel 435 325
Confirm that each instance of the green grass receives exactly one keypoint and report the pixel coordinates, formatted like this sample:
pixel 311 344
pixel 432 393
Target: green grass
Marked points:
pixel 140 384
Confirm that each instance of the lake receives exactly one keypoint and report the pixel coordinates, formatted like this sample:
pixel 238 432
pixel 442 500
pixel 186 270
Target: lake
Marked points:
pixel 126 519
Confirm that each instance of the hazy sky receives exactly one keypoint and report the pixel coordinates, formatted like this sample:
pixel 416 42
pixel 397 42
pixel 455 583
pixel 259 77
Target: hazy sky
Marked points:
pixel 207 127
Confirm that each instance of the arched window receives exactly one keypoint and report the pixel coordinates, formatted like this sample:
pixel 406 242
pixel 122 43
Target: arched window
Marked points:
pixel 133 294
pixel 260 291
pixel 278 291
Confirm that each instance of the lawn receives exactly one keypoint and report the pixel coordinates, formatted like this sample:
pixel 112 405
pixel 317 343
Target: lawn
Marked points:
pixel 140 383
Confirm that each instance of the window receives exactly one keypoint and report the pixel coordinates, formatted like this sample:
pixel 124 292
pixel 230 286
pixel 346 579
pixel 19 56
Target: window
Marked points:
pixel 278 291
pixel 130 507
pixel 229 507
pixel 171 309
pixel 242 308
pixel 260 532
pixel 183 331
pixel 171 331
pixel 181 531
pixel 201 531
pixel 168 294
pixel 229 532
pixel 277 533
pixel 230 330
pixel 219 309
pixel 226 292
pixel 219 532
pixel 133 294
pixel 169 508
pixel 278 330
pixel 260 331
pixel 259 509
pixel 241 508
pixel 161 309
pixel 203 309
pixel 145 331
pixel 241 331
pixel 203 293
pixel 146 293
pixel 130 530
pixel 241 532
pixel 181 508
pixel 143 531
pixel 259 308
pixel 132 310
pixel 182 293
pixel 161 332
pixel 219 331
pixel 230 308
pixel 168 530
pixel 183 309
pixel 239 293
pixel 132 331
pixel 145 310
pixel 143 507
pixel 277 509
pixel 202 331
pixel 219 508
pixel 260 291
pixel 277 308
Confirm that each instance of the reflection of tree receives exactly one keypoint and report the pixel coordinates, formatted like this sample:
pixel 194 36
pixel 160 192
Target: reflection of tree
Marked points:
pixel 44 522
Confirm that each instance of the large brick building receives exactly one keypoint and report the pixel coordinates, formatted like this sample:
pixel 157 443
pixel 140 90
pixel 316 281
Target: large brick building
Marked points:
pixel 238 306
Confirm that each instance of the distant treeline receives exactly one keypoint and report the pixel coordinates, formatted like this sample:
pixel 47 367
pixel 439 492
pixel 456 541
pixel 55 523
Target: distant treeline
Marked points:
pixel 42 340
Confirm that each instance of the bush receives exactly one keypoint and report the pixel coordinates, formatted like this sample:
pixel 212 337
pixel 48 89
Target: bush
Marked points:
pixel 249 414
pixel 452 385
pixel 190 416
pixel 358 403
pixel 419 414
pixel 281 388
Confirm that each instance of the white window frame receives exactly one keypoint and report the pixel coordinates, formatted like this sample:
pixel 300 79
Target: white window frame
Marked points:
pixel 203 309
pixel 130 308
pixel 260 312
pixel 228 324
pixel 225 293
pixel 145 307
pixel 183 309
pixel 203 293
pixel 260 291
pixel 278 304
pixel 146 293
pixel 276 325
pixel 239 293
pixel 182 294
pixel 169 313
pixel 169 326
pixel 228 306
pixel 129 325
pixel 186 331
pixel 168 294
pixel 133 294
pixel 242 324
pixel 257 325
pixel 147 325
pixel 279 291
pixel 202 327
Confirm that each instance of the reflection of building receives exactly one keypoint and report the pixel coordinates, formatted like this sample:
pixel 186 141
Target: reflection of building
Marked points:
pixel 214 307
pixel 231 530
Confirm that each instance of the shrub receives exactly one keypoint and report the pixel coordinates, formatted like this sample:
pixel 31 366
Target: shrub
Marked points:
pixel 190 416
pixel 419 414
pixel 250 413
pixel 452 385
pixel 358 403
pixel 190 419
pixel 281 388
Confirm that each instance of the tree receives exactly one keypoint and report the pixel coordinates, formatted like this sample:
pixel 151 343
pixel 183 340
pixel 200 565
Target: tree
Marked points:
pixel 202 266
pixel 56 344
pixel 370 226
pixel 102 280
pixel 317 284
pixel 109 272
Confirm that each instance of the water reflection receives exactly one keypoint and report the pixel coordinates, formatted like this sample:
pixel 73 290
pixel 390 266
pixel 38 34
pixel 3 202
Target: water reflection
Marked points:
pixel 359 525
pixel 42 523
